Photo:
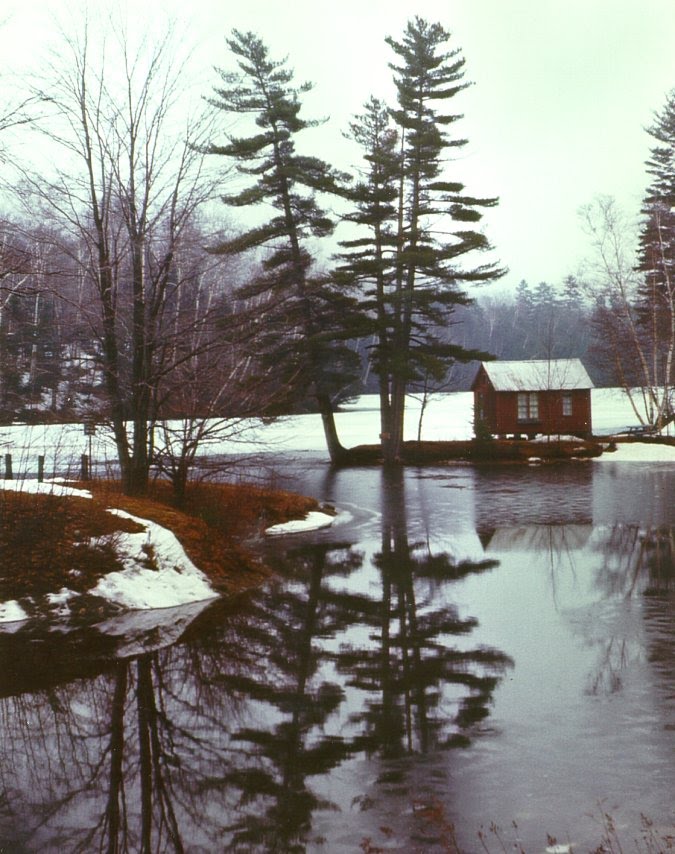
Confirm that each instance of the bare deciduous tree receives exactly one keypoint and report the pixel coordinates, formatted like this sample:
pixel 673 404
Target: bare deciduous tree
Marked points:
pixel 126 184
pixel 217 392
pixel 640 357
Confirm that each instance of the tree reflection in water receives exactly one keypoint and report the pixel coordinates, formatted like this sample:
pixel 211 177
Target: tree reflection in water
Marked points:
pixel 609 566
pixel 291 742
pixel 637 561
pixel 211 744
pixel 413 665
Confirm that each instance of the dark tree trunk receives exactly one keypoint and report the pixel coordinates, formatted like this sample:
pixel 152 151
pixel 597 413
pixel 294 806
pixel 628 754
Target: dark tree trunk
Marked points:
pixel 336 451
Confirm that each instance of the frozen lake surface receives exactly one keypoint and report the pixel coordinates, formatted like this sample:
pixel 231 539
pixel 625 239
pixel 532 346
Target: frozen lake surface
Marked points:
pixel 445 417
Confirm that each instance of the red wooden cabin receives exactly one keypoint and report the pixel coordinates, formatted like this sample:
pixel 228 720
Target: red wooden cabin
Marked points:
pixel 540 396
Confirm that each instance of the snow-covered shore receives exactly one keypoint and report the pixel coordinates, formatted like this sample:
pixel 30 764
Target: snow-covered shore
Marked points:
pixel 445 417
pixel 639 452
pixel 158 574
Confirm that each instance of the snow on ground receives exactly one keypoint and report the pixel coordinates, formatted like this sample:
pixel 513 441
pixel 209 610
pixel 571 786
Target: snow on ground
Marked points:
pixel 157 573
pixel 642 452
pixel 611 411
pixel 313 521
pixel 48 488
pixel 61 445
pixel 445 417
pixel 11 612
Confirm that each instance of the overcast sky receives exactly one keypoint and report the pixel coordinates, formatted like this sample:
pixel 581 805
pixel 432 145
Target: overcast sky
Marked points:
pixel 563 90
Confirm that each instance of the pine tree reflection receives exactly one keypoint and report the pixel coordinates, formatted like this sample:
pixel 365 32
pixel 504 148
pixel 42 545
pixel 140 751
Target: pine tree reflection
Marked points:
pixel 411 670
pixel 214 743
pixel 294 743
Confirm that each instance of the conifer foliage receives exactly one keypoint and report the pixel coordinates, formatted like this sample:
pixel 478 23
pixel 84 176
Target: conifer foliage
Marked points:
pixel 305 320
pixel 421 224
pixel 412 250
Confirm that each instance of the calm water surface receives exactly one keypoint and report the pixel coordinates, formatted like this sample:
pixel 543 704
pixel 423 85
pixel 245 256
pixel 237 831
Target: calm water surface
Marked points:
pixel 463 646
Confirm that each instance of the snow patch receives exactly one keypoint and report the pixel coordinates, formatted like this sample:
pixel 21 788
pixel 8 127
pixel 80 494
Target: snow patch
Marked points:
pixel 12 612
pixel 555 437
pixel 35 487
pixel 157 573
pixel 646 452
pixel 313 521
pixel 60 601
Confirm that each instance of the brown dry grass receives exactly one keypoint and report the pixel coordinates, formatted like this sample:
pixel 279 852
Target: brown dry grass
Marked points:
pixel 46 544
pixel 469 450
pixel 214 522
pixel 45 541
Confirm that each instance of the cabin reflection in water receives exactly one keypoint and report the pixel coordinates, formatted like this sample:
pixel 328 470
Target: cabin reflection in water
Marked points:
pixel 540 539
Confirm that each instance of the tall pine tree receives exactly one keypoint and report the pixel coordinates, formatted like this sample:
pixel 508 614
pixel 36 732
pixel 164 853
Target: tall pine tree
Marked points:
pixel 421 230
pixel 307 318
pixel 368 259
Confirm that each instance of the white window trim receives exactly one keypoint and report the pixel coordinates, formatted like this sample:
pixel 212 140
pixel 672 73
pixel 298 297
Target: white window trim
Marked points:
pixel 528 406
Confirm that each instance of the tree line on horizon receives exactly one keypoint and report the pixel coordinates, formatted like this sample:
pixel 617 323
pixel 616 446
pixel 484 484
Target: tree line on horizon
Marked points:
pixel 122 299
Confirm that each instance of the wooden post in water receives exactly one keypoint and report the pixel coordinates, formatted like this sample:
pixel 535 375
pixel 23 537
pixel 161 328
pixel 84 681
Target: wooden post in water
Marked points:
pixel 84 467
pixel 8 467
pixel 41 468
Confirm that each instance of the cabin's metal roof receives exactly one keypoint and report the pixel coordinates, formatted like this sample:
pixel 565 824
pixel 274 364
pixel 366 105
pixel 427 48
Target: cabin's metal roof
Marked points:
pixel 538 375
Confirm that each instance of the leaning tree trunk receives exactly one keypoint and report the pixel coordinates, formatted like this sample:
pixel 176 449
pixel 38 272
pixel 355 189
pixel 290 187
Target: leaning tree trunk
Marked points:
pixel 336 451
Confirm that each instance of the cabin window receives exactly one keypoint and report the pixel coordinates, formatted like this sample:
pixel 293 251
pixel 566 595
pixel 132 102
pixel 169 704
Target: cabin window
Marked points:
pixel 528 406
pixel 566 403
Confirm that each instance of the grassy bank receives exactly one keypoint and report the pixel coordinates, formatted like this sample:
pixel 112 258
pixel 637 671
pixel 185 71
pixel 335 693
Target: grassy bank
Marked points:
pixel 50 542
pixel 213 522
